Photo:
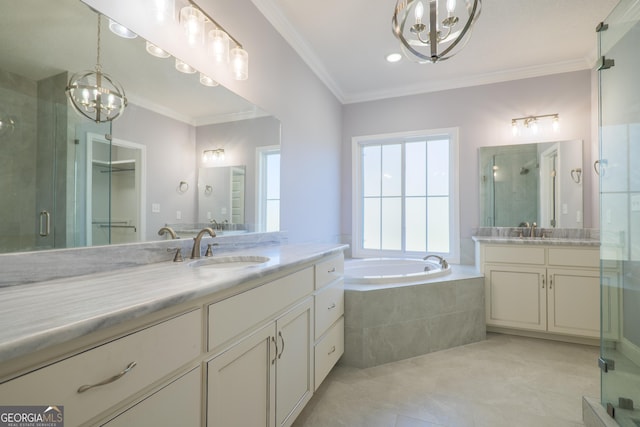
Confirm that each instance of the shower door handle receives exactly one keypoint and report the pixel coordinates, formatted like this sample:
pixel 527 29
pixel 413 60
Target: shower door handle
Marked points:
pixel 45 226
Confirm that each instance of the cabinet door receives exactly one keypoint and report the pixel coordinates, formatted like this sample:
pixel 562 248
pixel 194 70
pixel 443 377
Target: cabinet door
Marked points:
pixel 241 390
pixel 177 404
pixel 516 297
pixel 294 381
pixel 574 302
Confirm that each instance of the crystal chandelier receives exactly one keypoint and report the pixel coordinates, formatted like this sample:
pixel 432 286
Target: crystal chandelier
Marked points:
pixel 96 95
pixel 432 30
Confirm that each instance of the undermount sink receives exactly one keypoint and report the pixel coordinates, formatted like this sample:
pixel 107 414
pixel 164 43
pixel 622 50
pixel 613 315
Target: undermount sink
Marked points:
pixel 229 262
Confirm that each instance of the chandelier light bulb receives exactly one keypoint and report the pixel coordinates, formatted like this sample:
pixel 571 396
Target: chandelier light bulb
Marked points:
pixel 419 12
pixel 451 6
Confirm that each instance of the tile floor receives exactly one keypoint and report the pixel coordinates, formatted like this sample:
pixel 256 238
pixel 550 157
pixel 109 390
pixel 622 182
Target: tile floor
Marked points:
pixel 504 381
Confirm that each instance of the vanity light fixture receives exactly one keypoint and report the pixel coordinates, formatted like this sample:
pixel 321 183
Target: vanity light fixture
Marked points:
pixel 96 95
pixel 121 30
pixel 210 155
pixel 208 81
pixel 183 67
pixel 154 50
pixel 164 10
pixel 192 19
pixel 219 40
pixel 424 36
pixel 532 123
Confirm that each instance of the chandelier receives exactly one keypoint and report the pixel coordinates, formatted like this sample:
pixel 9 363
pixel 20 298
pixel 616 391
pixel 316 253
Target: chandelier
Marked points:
pixel 432 30
pixel 96 95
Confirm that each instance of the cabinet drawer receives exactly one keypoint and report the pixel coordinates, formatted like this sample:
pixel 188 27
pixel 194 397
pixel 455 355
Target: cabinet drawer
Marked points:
pixel 328 351
pixel 177 404
pixel 238 314
pixel 329 270
pixel 157 350
pixel 329 306
pixel 514 255
pixel 574 257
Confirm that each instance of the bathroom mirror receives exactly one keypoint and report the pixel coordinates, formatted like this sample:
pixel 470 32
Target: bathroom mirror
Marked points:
pixel 526 183
pixel 64 184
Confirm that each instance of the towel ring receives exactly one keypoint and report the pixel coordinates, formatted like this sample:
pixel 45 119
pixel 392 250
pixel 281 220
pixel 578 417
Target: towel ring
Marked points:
pixel 183 187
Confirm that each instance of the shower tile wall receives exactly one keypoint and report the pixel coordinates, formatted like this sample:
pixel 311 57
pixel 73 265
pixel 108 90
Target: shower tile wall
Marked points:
pixel 18 163
pixel 516 185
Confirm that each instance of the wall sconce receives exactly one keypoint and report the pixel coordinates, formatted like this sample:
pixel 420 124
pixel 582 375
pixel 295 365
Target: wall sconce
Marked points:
pixel 210 155
pixel 532 123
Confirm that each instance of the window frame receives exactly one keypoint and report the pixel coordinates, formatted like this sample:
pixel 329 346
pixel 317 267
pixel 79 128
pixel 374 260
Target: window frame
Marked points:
pixel 358 142
pixel 262 153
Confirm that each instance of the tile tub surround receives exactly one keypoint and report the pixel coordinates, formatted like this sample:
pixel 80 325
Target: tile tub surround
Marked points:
pixel 389 323
pixel 30 267
pixel 53 312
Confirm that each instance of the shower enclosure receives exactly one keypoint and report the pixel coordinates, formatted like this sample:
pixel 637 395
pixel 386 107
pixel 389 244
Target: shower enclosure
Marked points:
pixel 619 174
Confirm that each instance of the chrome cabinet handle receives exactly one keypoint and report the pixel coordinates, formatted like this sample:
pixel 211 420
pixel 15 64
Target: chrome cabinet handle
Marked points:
pixel 332 306
pixel 44 231
pixel 543 280
pixel 282 349
pixel 333 350
pixel 275 356
pixel 551 282
pixel 116 377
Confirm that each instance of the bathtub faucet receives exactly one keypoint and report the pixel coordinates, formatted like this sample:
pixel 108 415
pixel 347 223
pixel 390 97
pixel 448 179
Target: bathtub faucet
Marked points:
pixel 443 262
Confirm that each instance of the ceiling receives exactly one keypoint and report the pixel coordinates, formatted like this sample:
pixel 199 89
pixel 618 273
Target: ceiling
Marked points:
pixel 346 42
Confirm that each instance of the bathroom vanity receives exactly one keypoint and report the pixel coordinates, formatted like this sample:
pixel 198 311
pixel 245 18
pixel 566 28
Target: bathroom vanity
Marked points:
pixel 178 343
pixel 544 287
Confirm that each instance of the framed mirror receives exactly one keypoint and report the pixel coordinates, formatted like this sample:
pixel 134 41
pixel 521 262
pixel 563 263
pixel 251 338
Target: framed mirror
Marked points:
pixel 69 182
pixel 526 183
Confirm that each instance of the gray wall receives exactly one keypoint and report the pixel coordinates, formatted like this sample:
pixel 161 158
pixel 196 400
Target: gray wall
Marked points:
pixel 483 115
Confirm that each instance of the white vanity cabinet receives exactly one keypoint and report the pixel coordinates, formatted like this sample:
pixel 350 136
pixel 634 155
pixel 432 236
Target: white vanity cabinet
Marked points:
pixel 264 375
pixel 543 288
pixel 152 353
pixel 329 316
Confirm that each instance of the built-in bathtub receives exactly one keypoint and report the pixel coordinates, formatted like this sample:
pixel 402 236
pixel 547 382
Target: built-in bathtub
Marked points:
pixel 376 271
pixel 394 309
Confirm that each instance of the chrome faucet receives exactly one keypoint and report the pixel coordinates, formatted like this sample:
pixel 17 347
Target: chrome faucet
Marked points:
pixel 532 232
pixel 195 251
pixel 214 224
pixel 169 230
pixel 443 262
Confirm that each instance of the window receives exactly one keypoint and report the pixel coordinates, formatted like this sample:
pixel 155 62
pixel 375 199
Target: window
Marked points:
pixel 268 188
pixel 406 194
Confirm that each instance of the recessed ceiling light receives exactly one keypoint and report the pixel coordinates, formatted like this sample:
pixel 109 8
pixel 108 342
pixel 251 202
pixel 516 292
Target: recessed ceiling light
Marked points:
pixel 394 57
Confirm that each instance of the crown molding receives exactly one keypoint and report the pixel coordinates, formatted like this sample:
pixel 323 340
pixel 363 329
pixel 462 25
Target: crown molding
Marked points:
pixel 475 80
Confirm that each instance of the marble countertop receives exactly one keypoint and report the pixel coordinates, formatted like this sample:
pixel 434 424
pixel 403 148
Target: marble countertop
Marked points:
pixel 551 241
pixel 40 315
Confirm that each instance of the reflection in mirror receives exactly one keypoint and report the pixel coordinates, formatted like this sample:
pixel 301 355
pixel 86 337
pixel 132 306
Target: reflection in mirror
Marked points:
pixel 63 183
pixel 526 183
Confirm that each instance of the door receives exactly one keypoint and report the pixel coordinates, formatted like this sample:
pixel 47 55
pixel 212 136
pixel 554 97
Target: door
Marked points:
pixel 240 383
pixel 618 166
pixel 573 302
pixel 294 381
pixel 516 297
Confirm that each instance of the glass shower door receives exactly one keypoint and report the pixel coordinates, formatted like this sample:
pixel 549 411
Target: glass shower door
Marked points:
pixel 619 174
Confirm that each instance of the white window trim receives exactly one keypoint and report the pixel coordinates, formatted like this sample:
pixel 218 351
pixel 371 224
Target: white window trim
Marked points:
pixel 454 201
pixel 261 182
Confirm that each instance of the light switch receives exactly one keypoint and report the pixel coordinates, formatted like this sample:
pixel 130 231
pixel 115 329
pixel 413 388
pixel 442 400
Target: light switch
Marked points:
pixel 178 214
pixel 155 207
